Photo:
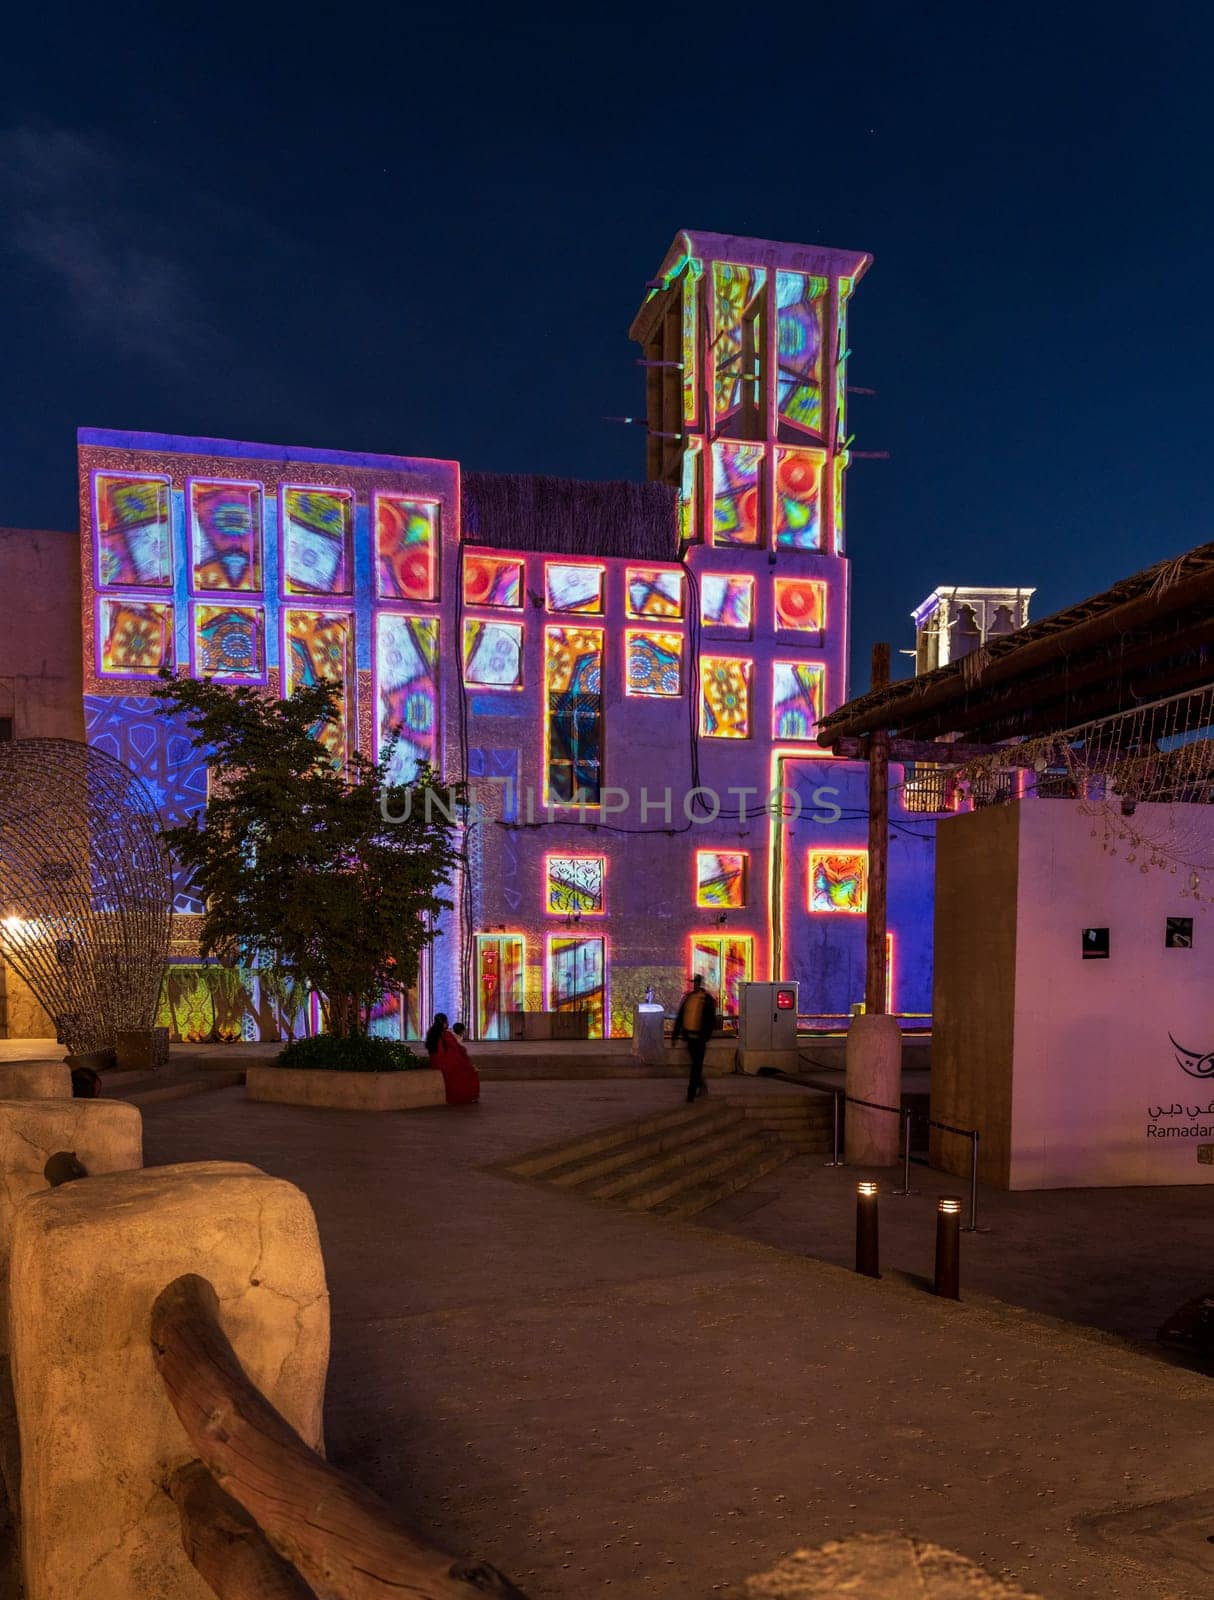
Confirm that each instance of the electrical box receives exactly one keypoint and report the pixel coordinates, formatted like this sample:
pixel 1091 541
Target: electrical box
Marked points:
pixel 767 1023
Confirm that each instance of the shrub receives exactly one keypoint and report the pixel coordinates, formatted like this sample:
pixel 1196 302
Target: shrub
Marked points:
pixel 332 1052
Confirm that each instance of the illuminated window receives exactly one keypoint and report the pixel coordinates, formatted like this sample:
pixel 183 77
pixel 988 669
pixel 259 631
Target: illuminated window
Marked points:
pixel 575 883
pixel 654 593
pixel 134 548
pixel 406 548
pixel 725 697
pixel 501 966
pixel 577 977
pixel 229 643
pixel 225 535
pixel 726 601
pixel 573 677
pixel 691 530
pixel 737 344
pixel 316 544
pixel 725 962
pixel 798 500
pixel 493 654
pixel 721 878
pixel 737 471
pixel 135 637
pixel 796 698
pixel 490 581
pixel 800 605
pixel 800 329
pixel 838 881
pixel 318 647
pixel 574 588
pixel 655 663
pixel 406 688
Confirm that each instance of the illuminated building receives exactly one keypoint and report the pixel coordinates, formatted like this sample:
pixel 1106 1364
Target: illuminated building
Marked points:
pixel 623 672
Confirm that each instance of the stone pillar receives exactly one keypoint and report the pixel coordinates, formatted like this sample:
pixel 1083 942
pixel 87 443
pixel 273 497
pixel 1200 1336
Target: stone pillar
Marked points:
pixel 99 1438
pixel 104 1135
pixel 648 1035
pixel 874 1072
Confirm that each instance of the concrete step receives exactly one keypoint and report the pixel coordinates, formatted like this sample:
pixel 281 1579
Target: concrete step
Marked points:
pixel 538 1163
pixel 732 1166
pixel 651 1168
pixel 688 1132
pixel 155 1087
pixel 691 1201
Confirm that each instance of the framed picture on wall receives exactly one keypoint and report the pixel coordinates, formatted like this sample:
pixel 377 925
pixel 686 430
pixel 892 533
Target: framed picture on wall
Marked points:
pixel 1095 944
pixel 1178 933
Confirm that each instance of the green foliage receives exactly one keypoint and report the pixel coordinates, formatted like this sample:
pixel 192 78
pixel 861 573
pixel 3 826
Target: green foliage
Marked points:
pixel 354 1053
pixel 294 860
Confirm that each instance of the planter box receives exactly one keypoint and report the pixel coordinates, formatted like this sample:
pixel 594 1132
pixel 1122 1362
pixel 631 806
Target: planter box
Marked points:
pixel 347 1091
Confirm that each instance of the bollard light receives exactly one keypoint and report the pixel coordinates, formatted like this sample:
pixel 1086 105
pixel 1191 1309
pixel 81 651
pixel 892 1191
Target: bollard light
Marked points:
pixel 867 1254
pixel 948 1247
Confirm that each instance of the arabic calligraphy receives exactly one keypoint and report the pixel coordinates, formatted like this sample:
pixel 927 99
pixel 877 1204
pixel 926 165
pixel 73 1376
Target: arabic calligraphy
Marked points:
pixel 1194 1062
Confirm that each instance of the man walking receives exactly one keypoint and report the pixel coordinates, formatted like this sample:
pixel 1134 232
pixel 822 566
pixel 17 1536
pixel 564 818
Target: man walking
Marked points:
pixel 697 1017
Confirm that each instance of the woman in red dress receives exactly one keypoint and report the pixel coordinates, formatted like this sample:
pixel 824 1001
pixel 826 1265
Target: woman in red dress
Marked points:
pixel 447 1053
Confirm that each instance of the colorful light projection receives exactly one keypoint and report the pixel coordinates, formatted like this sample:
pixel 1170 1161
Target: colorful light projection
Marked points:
pixel 690 494
pixel 800 605
pixel 406 547
pixel 655 662
pixel 318 647
pixel 796 698
pixel 135 637
pixel 798 499
pixel 406 681
pixel 691 350
pixel 576 884
pixel 229 643
pixel 653 593
pixel 493 654
pixel 800 326
pixel 736 475
pixel 396 1015
pixel 726 601
pixel 735 335
pixel 844 294
pixel 838 881
pixel 574 587
pixel 501 966
pixel 134 544
pixel 491 581
pixel 837 502
pixel 721 878
pixel 316 534
pixel 577 974
pixel 725 684
pixel 573 677
pixel 225 535
pixel 725 962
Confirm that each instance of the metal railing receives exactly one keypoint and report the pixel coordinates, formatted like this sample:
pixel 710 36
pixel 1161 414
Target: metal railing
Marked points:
pixel 841 1097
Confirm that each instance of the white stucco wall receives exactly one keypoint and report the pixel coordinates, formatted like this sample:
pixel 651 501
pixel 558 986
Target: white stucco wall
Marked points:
pixel 1099 1096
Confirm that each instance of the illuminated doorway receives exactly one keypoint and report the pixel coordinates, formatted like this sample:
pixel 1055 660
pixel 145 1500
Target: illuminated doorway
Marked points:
pixel 725 961
pixel 500 966
pixel 577 969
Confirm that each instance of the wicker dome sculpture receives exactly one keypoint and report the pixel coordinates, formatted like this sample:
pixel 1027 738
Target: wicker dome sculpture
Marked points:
pixel 86 889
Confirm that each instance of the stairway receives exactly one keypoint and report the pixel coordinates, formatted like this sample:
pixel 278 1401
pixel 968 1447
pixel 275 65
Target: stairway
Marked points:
pixel 680 1162
pixel 149 1088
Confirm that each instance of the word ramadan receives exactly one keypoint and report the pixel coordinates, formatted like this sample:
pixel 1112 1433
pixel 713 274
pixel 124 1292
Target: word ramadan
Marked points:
pixel 700 806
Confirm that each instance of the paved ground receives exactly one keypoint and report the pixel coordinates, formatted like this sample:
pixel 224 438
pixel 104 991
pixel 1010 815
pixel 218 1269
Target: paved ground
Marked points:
pixel 609 1403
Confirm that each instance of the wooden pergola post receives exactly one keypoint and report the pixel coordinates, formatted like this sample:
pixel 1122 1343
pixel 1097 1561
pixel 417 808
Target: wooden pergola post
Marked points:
pixel 876 972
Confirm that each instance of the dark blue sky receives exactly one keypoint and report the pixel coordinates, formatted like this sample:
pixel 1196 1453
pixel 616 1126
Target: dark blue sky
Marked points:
pixel 425 231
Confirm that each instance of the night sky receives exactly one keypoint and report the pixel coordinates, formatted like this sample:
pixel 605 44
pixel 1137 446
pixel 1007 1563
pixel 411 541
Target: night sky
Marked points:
pixel 425 231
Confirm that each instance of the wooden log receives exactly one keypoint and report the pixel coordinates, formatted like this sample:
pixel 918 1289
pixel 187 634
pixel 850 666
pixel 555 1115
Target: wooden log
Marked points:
pixel 338 1534
pixel 876 966
pixel 226 1545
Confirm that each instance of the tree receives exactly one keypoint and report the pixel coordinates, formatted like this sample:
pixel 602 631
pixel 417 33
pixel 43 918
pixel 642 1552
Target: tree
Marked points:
pixel 294 860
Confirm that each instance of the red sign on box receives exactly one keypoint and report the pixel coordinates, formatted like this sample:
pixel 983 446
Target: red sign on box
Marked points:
pixel 784 1000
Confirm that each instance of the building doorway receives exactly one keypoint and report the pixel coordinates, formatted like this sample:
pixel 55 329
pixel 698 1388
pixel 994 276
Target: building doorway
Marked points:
pixel 577 973
pixel 725 961
pixel 500 967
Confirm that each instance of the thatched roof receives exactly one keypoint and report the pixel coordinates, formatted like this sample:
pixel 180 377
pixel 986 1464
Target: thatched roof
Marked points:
pixel 513 511
pixel 1148 636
